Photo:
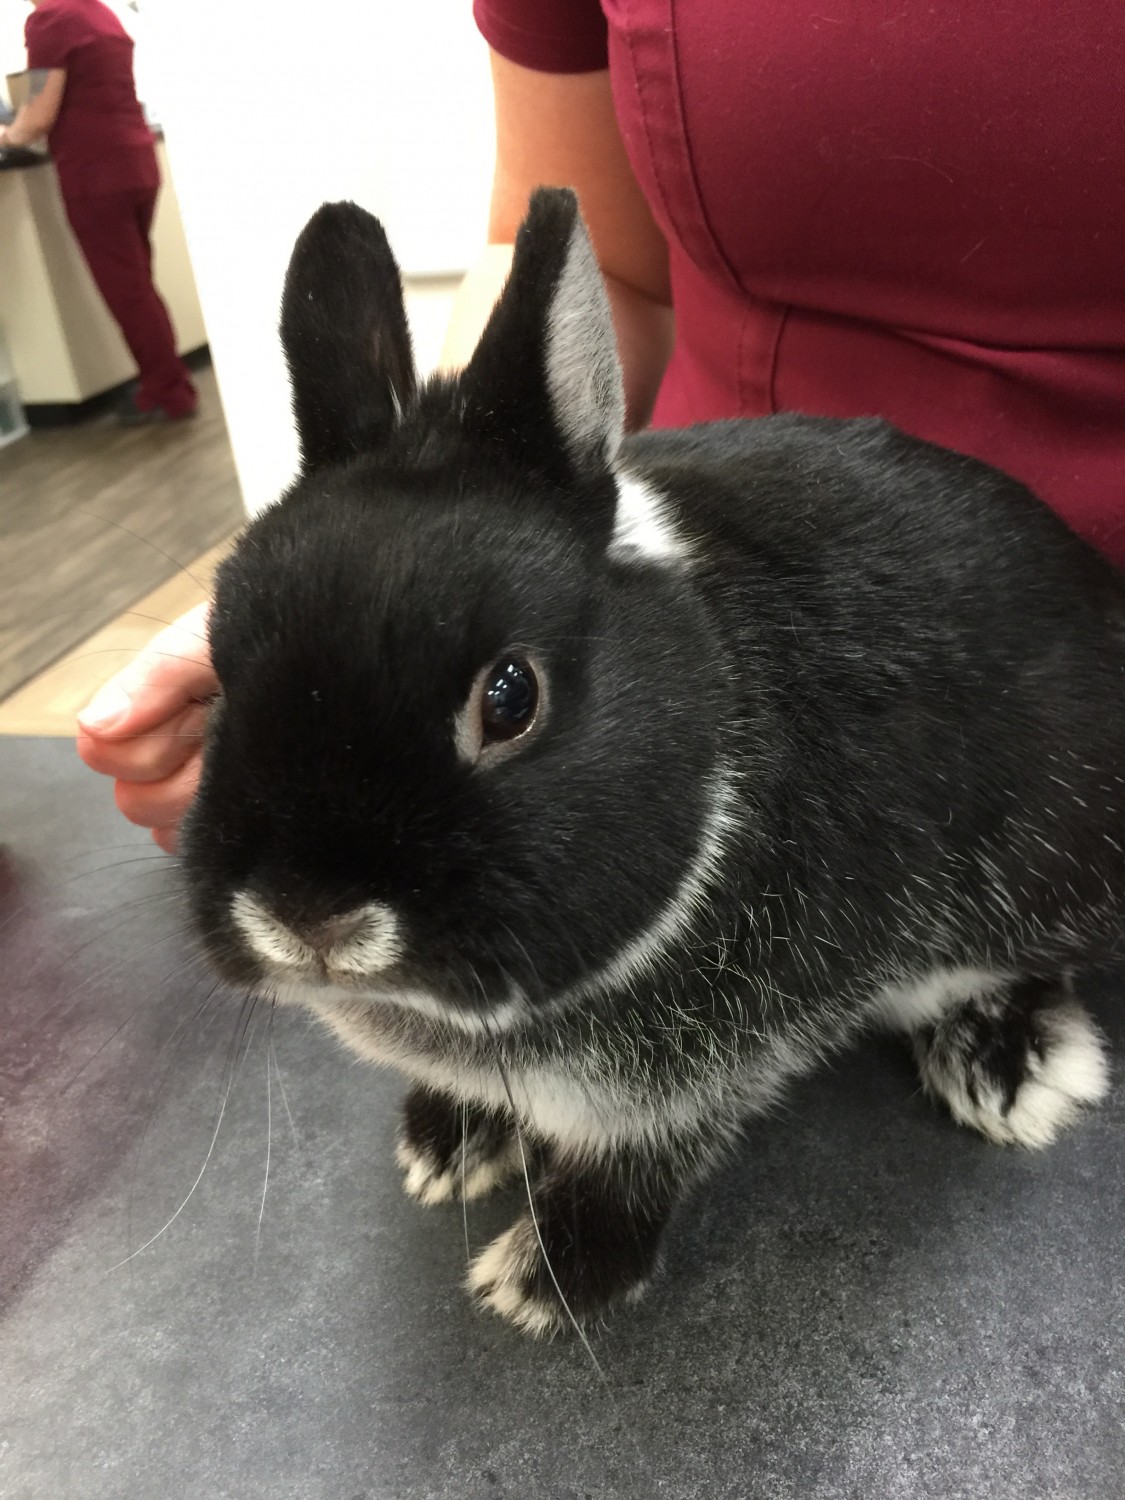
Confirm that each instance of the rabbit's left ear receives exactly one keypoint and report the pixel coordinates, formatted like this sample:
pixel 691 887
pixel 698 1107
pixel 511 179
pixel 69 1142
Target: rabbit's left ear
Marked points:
pixel 545 381
pixel 345 336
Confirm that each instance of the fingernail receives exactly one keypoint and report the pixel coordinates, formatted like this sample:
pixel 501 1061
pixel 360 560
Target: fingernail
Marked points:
pixel 108 705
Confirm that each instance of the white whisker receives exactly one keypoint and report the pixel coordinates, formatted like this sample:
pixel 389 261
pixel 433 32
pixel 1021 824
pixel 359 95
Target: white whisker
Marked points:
pixel 199 1178
pixel 269 1138
pixel 281 1086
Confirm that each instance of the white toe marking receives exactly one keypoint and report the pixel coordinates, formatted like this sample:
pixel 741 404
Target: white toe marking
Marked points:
pixel 419 1178
pixel 496 1277
pixel 1072 1073
pixel 480 1176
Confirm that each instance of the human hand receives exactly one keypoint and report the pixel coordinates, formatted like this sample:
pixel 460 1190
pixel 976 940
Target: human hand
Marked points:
pixel 145 727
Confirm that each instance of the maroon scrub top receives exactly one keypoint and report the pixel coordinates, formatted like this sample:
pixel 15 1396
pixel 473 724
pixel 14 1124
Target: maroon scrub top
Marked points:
pixel 99 141
pixel 889 207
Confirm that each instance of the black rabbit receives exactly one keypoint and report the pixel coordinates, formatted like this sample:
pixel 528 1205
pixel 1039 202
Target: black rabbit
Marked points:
pixel 604 784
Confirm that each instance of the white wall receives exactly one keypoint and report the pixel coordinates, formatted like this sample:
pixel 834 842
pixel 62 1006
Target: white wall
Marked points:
pixel 269 109
pixel 13 59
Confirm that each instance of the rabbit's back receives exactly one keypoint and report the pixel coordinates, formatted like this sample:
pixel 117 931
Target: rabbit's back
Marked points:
pixel 879 511
pixel 939 668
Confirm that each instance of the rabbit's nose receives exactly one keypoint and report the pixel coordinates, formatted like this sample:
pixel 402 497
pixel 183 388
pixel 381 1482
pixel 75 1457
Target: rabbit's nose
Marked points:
pixel 335 932
pixel 358 943
pixel 354 945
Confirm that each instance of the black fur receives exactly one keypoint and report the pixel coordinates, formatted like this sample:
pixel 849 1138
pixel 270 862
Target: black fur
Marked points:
pixel 594 1235
pixel 441 1132
pixel 902 673
pixel 504 396
pixel 345 332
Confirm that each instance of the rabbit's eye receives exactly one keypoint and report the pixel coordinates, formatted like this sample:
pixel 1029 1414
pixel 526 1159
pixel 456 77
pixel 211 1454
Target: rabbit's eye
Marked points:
pixel 506 707
pixel 509 700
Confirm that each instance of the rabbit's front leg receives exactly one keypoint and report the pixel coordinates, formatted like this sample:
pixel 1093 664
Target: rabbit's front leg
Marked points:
pixel 452 1148
pixel 589 1237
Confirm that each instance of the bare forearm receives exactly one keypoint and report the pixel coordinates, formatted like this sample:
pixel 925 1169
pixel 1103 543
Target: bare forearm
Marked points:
pixel 29 126
pixel 645 331
pixel 35 118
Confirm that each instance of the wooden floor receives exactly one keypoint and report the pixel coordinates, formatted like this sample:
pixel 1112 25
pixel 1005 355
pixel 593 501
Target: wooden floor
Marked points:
pixel 94 518
pixel 107 534
pixel 49 703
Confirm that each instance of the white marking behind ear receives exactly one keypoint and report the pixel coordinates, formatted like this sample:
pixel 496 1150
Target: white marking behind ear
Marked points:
pixel 583 375
pixel 643 530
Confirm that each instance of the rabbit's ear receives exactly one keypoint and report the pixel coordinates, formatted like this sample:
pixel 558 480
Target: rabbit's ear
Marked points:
pixel 345 336
pixel 544 380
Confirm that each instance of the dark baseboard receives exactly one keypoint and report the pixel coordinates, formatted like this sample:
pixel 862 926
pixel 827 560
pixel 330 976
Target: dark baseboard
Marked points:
pixel 70 413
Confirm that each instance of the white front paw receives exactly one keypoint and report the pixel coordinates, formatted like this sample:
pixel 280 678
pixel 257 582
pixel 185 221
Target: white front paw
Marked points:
pixel 1062 1068
pixel 471 1172
pixel 508 1277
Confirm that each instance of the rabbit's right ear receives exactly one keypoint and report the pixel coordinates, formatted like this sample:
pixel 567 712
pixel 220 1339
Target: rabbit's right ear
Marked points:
pixel 345 336
pixel 545 382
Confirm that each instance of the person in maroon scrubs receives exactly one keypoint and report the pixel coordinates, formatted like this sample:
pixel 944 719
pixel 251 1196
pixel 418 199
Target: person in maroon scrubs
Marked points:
pixel 838 207
pixel 863 207
pixel 109 179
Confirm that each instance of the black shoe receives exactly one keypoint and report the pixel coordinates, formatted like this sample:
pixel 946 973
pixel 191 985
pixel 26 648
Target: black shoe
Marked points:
pixel 129 414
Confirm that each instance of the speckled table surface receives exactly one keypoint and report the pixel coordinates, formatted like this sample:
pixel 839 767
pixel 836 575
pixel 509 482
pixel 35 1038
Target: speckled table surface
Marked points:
pixel 868 1303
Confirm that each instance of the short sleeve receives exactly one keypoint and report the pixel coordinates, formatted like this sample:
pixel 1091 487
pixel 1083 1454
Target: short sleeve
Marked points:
pixel 551 36
pixel 49 37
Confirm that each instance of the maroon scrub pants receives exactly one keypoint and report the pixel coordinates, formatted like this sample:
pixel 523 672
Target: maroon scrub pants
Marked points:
pixel 113 231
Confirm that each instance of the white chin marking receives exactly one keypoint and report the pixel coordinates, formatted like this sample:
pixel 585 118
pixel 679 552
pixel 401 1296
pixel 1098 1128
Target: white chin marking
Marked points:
pixel 372 947
pixel 643 530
